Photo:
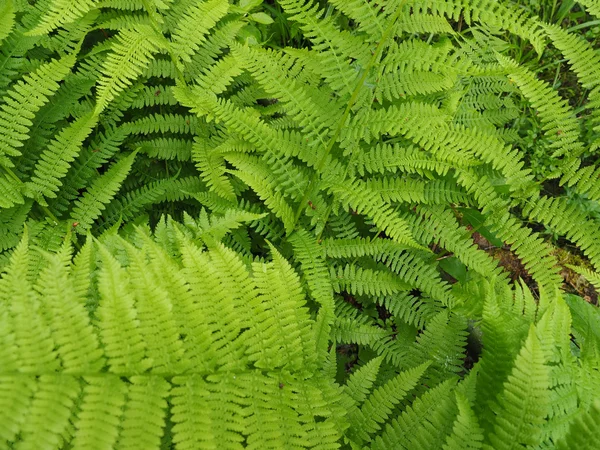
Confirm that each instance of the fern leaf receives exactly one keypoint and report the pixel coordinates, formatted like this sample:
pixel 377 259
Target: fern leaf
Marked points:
pixel 366 201
pixel 157 326
pixel 466 432
pixel 48 414
pixel 23 101
pixel 274 200
pixel 523 405
pixel 131 53
pixel 359 281
pixel 379 405
pixel 558 120
pixel 7 18
pixel 212 169
pixel 365 14
pixel 55 161
pixel 195 23
pixel 30 339
pixel 89 207
pixel 101 409
pixel 119 327
pixel 145 408
pixel 68 319
pixel 296 351
pixel 424 425
pixel 360 382
pixel 583 432
pixel 592 7
pixel 61 12
pixel 312 261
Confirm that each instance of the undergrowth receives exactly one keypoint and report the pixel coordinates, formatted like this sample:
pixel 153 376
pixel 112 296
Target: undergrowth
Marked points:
pixel 299 224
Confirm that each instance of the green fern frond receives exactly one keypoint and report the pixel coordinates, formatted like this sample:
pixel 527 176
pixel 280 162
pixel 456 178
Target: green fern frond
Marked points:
pixel 163 123
pixel 336 49
pixel 583 433
pixel 166 148
pixel 23 101
pixel 62 12
pixel 89 207
pixel 359 281
pixel 274 200
pixel 524 403
pixel 130 54
pixel 378 407
pixel 85 167
pixel 10 191
pixel 466 432
pixel 195 22
pixel 67 317
pixel 211 165
pixel 568 220
pixel 7 18
pixel 366 15
pixel 55 161
pixel 558 120
pixel 366 201
pixel 361 381
pixel 312 261
pixel 217 226
pixel 423 425
pixel 584 61
pixel 592 7
pixel 383 158
pixel 442 343
pixel 303 104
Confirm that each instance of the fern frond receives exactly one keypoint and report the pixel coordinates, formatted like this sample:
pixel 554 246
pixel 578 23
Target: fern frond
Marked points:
pixel 424 425
pixel 466 433
pixel 61 12
pixel 274 200
pixel 584 61
pixel 84 168
pixel 558 120
pixel 361 381
pixel 359 281
pixel 524 402
pixel 23 101
pixel 195 22
pixel 366 201
pixel 568 220
pixel 304 105
pixel 442 343
pixel 117 322
pixel 11 225
pixel 592 7
pixel 583 433
pixel 55 161
pixel 218 226
pixel 312 261
pixel 131 53
pixel 7 18
pixel 365 15
pixel 89 207
pixel 378 407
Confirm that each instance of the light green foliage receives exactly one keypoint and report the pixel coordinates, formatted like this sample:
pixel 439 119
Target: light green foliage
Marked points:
pixel 236 360
pixel 298 224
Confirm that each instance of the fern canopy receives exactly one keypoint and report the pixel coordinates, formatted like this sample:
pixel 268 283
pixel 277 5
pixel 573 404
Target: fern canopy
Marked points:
pixel 299 224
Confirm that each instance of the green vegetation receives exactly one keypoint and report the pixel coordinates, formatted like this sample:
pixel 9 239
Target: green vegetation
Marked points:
pixel 299 224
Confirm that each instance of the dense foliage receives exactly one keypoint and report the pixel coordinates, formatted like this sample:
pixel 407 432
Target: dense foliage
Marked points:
pixel 299 224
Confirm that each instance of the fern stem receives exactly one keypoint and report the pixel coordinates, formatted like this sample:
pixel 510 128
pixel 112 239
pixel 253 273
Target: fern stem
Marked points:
pixel 349 106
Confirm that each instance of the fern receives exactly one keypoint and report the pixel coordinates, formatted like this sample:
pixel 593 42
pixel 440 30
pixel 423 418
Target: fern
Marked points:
pixel 299 224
